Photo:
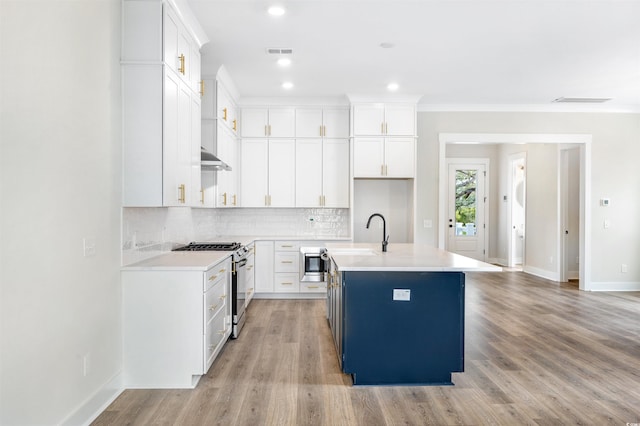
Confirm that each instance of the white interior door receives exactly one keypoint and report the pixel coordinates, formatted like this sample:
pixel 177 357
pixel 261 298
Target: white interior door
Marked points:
pixel 466 210
pixel 517 208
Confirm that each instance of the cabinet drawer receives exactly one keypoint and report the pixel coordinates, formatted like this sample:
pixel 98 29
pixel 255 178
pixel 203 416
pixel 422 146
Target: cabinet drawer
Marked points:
pixel 215 300
pixel 286 283
pixel 287 246
pixel 215 275
pixel 308 287
pixel 215 335
pixel 287 261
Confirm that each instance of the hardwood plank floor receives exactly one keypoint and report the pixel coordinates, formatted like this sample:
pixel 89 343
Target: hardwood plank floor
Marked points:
pixel 537 353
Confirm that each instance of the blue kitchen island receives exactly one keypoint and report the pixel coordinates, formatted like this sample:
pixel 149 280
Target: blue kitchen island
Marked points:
pixel 397 318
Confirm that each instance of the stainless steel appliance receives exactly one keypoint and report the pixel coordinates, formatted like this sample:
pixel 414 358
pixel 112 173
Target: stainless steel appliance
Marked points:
pixel 312 264
pixel 238 279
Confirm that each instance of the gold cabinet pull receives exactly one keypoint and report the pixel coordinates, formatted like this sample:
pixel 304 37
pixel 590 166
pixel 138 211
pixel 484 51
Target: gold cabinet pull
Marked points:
pixel 182 68
pixel 324 130
pixel 181 194
pixel 287 245
pixel 266 131
pixel 213 277
pixel 381 169
pixel 266 200
pixel 202 196
pixel 235 125
pixel 224 199
pixel 269 129
pixel 287 283
pixel 224 114
pixel 286 261
pixel 213 307
pixel 201 88
pixel 235 199
pixel 382 128
pixel 312 286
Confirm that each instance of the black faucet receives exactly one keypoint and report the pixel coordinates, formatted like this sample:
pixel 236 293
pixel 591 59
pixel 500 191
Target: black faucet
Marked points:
pixel 385 237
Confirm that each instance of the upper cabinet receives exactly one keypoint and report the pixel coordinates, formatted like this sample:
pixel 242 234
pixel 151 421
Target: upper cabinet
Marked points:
pixel 384 120
pixel 268 122
pixel 322 122
pixel 161 106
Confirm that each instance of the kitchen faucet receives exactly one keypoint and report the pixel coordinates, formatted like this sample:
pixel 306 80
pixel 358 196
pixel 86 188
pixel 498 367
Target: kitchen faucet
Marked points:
pixel 385 237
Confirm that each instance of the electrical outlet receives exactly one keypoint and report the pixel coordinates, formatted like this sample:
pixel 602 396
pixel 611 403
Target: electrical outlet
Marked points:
pixel 89 246
pixel 623 268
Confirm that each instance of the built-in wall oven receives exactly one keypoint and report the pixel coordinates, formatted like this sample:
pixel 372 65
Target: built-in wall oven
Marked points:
pixel 313 264
pixel 238 277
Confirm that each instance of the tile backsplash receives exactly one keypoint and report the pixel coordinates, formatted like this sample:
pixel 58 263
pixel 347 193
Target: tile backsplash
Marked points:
pixel 147 232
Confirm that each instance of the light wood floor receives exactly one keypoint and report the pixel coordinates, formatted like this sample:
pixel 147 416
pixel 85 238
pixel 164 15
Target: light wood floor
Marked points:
pixel 537 353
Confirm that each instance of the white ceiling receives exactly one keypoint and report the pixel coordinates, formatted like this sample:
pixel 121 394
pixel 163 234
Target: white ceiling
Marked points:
pixel 480 54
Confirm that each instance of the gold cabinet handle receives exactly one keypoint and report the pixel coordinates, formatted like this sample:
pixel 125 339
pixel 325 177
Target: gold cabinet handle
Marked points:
pixel 222 271
pixel 287 245
pixel 266 130
pixel 286 261
pixel 223 297
pixel 182 68
pixel 222 331
pixel 324 130
pixel 287 283
pixel 235 125
pixel 312 286
pixel 224 199
pixel 381 169
pixel 213 277
pixel 181 194
pixel 386 128
pixel 201 88
pixel 224 114
pixel 382 128
pixel 202 196
pixel 235 199
pixel 269 129
pixel 321 131
pixel 266 200
pixel 213 307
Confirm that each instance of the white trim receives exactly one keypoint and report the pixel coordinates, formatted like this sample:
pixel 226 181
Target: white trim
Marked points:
pixel 93 406
pixel 551 107
pixel 542 273
pixel 497 261
pixel 525 138
pixel 615 286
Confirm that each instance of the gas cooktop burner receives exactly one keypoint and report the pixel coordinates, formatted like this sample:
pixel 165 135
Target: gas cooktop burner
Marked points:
pixel 209 247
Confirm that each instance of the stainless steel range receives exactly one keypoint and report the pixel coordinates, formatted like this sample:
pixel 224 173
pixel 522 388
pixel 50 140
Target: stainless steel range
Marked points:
pixel 238 279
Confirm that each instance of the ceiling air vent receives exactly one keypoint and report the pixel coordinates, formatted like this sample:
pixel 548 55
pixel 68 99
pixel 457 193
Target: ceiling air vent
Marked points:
pixel 279 51
pixel 582 100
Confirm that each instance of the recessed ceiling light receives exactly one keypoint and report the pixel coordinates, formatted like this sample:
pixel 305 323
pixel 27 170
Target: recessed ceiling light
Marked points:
pixel 392 86
pixel 287 85
pixel 276 11
pixel 284 62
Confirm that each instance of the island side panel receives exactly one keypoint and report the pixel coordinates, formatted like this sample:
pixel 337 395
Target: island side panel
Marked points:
pixel 415 341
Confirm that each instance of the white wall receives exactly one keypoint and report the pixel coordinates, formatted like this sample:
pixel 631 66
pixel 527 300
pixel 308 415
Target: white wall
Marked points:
pixel 615 174
pixel 60 182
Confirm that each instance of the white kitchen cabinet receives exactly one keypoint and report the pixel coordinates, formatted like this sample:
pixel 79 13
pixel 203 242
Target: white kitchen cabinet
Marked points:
pixel 250 274
pixel 322 122
pixel 322 173
pixel 384 120
pixel 268 173
pixel 384 158
pixel 227 186
pixel 264 275
pixel 268 122
pixel 227 111
pixel 175 323
pixel 159 104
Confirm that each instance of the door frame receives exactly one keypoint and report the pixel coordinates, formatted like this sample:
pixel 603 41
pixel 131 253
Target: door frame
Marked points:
pixel 487 193
pixel 582 140
pixel 510 243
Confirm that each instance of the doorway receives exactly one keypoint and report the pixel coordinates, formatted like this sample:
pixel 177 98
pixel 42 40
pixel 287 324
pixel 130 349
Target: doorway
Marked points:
pixel 570 213
pixel 517 208
pixel 467 200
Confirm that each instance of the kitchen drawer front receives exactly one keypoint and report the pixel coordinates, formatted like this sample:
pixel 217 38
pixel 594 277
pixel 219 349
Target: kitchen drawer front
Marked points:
pixel 217 274
pixel 215 300
pixel 309 287
pixel 216 333
pixel 286 261
pixel 287 246
pixel 287 283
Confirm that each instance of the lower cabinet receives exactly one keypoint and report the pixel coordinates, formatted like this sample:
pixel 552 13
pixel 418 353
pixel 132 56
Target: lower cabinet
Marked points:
pixel 174 324
pixel 250 275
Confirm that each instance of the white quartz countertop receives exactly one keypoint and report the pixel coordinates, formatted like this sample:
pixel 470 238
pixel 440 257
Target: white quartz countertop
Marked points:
pixel 402 257
pixel 180 261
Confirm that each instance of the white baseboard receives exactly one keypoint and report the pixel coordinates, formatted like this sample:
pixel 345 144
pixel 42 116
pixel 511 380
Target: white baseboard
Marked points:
pixel 542 273
pixel 614 286
pixel 573 275
pixel 96 404
pixel 290 296
pixel 497 261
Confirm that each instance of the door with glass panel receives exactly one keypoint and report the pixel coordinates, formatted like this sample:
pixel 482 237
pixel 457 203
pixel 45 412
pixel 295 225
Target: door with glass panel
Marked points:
pixel 466 225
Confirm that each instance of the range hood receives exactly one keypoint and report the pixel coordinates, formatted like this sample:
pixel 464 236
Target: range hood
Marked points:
pixel 208 161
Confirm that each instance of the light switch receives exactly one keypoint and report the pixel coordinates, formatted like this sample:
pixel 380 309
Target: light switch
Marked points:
pixel 606 224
